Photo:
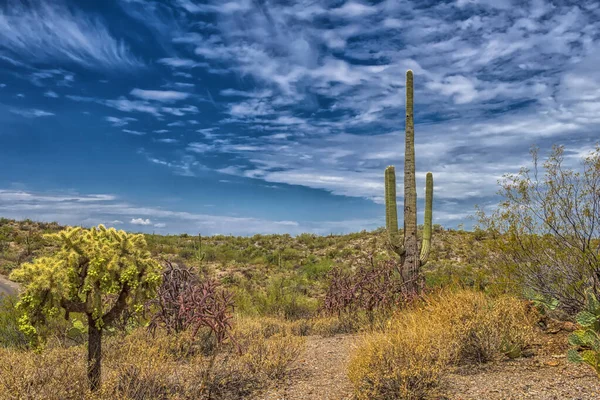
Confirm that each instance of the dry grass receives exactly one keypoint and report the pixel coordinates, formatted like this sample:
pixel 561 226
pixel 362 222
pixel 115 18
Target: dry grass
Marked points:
pixel 408 358
pixel 139 366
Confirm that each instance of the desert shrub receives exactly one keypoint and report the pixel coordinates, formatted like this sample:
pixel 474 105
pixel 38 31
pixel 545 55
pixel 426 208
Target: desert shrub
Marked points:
pixel 334 325
pixel 317 269
pixel 142 366
pixel 404 362
pixel 483 328
pixel 370 286
pixel 285 297
pixel 185 302
pixel 585 342
pixel 547 227
pixel 272 356
pixel 10 334
pixel 268 346
pixel 57 373
pixel 302 327
pixel 408 358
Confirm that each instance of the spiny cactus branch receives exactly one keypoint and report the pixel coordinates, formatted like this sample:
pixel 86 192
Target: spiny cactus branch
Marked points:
pixel 427 225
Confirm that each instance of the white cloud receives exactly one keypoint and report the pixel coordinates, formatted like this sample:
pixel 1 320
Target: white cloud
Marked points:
pixel 72 211
pixel 32 113
pixel 167 141
pixel 51 94
pixel 353 9
pixel 115 121
pixel 140 221
pixel 49 31
pixel 142 106
pixel 179 62
pixel 197 147
pixel 159 95
pixel 137 133
pixel 29 197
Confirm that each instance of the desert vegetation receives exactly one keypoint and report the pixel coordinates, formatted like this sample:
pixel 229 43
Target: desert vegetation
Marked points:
pixel 106 314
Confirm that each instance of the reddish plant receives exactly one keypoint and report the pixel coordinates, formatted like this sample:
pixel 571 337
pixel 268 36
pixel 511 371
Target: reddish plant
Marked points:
pixel 185 302
pixel 368 287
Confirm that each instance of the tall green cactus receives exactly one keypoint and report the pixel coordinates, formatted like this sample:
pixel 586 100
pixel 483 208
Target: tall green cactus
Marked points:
pixel 408 248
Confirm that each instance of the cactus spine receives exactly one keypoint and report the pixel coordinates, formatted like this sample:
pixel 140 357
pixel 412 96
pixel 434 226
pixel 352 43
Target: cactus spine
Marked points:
pixel 408 248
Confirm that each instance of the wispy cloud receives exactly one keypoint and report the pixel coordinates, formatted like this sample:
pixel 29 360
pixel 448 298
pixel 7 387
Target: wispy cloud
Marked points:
pixel 96 209
pixel 115 121
pixel 50 31
pixel 159 95
pixel 167 141
pixel 31 113
pixel 51 94
pixel 180 62
pixel 140 106
pixel 132 132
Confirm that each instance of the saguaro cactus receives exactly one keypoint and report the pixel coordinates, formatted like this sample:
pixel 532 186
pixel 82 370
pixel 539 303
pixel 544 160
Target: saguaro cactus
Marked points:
pixel 411 260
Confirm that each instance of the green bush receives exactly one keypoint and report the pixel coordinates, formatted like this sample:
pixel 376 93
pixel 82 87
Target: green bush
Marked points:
pixel 586 341
pixel 10 335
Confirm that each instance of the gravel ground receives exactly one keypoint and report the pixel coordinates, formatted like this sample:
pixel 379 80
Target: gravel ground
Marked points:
pixel 540 378
pixel 320 374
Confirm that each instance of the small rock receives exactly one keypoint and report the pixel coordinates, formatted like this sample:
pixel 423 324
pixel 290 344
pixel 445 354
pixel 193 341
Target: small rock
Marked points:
pixel 569 326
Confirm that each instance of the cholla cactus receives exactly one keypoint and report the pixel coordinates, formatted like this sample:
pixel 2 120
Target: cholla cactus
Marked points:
pixel 408 248
pixel 586 341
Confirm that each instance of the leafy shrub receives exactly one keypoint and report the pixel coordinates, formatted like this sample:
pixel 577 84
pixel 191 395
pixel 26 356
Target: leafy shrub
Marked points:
pixel 287 298
pixel 586 341
pixel 317 269
pixel 10 334
pixel 546 229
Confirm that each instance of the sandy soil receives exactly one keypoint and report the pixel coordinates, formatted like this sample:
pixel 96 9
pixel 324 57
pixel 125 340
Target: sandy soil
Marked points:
pixel 321 374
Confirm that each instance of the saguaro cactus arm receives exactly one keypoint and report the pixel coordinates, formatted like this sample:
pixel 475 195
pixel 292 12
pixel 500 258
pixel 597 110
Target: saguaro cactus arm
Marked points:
pixel 391 211
pixel 427 225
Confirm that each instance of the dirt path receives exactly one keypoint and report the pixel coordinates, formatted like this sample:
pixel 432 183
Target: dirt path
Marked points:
pixel 536 378
pixel 320 373
pixel 7 287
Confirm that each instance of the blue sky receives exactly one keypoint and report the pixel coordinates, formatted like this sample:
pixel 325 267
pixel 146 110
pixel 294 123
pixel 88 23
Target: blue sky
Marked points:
pixel 243 117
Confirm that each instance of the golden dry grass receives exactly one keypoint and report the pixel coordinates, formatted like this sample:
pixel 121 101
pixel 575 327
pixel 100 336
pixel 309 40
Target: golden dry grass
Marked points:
pixel 408 358
pixel 139 366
